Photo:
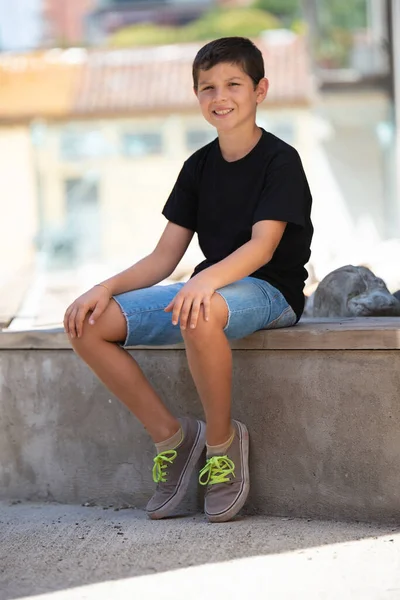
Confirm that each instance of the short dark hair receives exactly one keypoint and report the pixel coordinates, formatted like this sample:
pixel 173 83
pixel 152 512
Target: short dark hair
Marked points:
pixel 235 50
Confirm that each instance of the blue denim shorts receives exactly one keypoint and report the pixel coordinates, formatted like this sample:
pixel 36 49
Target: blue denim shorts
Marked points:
pixel 252 303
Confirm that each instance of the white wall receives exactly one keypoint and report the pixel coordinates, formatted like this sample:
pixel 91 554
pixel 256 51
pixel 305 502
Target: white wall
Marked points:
pixel 18 201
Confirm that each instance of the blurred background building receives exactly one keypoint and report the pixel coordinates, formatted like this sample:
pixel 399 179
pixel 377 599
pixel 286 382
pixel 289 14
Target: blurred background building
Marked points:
pixel 21 24
pixel 64 23
pixel 97 115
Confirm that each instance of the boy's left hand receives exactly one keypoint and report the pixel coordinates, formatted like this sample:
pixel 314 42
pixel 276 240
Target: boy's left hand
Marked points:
pixel 196 292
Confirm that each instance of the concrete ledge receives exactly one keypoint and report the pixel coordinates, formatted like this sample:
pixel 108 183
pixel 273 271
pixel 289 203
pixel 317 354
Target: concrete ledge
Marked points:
pixel 379 333
pixel 324 420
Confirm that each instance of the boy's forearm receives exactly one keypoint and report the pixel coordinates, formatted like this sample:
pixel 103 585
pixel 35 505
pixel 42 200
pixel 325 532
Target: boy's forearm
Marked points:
pixel 148 271
pixel 241 263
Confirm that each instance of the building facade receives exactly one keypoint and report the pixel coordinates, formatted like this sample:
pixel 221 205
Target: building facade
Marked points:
pixel 108 143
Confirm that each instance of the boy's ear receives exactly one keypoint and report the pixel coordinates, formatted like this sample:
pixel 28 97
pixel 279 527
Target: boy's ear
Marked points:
pixel 262 89
pixel 195 91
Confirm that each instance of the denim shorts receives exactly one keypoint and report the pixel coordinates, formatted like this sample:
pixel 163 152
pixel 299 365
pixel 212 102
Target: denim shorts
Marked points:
pixel 252 303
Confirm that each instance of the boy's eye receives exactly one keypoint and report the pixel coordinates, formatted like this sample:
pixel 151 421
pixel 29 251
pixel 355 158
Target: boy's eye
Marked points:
pixel 210 87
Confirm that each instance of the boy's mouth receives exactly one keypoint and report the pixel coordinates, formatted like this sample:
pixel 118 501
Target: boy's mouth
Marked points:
pixel 223 113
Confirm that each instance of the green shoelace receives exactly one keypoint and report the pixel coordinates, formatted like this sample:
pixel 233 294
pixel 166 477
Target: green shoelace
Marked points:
pixel 161 463
pixel 217 470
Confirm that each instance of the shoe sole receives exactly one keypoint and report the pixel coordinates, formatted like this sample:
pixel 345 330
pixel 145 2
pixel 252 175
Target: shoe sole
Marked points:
pixel 181 489
pixel 238 504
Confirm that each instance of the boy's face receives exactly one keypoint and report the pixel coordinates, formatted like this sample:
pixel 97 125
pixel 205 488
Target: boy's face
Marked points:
pixel 227 96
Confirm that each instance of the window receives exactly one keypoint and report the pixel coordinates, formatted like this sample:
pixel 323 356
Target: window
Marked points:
pixel 196 138
pixel 142 144
pixel 78 145
pixel 81 193
pixel 79 238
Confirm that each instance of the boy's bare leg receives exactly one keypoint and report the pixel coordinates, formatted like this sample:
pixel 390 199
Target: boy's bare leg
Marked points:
pixel 121 374
pixel 210 361
pixel 226 473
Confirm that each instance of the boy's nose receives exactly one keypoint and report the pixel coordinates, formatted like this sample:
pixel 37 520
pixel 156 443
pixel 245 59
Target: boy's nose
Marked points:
pixel 220 94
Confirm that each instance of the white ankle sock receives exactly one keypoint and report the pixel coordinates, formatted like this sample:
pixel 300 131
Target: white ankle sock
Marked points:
pixel 221 449
pixel 171 443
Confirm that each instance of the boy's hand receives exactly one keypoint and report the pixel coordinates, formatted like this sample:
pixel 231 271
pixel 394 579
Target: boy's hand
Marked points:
pixel 196 292
pixel 95 300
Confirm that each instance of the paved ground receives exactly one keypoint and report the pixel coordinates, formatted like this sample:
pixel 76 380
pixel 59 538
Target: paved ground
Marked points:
pixel 58 552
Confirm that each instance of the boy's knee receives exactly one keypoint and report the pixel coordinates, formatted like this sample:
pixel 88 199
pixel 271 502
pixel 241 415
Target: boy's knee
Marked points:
pixel 109 327
pixel 87 335
pixel 217 321
pixel 199 334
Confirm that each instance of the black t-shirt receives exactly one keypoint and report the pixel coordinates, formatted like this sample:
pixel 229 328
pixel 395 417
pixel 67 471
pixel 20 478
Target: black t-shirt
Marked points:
pixel 221 201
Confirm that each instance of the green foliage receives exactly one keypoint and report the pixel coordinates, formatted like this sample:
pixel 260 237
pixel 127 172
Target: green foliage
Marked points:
pixel 337 20
pixel 344 14
pixel 333 49
pixel 144 34
pixel 226 22
pixel 281 8
pixel 299 26
pixel 247 22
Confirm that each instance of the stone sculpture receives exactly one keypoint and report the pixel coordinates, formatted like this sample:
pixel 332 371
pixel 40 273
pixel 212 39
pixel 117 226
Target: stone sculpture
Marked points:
pixel 352 292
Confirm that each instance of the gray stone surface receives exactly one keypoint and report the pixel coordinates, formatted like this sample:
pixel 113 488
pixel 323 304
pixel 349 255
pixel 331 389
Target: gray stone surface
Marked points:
pixel 352 292
pixel 347 333
pixel 56 552
pixel 324 429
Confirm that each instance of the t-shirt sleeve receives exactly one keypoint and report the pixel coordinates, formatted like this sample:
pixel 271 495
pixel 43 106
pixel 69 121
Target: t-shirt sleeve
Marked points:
pixel 181 206
pixel 283 195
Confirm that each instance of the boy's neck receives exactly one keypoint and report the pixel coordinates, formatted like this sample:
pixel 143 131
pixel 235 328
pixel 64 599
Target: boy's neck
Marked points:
pixel 234 145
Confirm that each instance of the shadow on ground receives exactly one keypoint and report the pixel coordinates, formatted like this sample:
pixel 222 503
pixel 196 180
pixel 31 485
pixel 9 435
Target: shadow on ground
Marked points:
pixel 49 547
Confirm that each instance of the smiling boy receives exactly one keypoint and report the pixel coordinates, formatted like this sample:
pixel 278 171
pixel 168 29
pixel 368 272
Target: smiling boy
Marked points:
pixel 246 196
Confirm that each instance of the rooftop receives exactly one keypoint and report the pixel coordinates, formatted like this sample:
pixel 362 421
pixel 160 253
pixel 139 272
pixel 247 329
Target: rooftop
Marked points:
pixel 63 84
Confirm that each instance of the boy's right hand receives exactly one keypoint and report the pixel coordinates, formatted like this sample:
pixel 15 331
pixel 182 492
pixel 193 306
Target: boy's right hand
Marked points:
pixel 95 300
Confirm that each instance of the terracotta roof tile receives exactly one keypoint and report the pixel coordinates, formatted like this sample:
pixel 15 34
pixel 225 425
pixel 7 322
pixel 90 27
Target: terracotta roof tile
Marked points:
pixel 63 84
pixel 137 79
pixel 160 78
pixel 37 84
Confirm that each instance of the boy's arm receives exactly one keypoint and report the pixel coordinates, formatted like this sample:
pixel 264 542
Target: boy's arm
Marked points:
pixel 257 252
pixel 147 272
pixel 155 267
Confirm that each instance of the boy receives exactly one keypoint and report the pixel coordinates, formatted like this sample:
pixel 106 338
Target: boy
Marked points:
pixel 246 196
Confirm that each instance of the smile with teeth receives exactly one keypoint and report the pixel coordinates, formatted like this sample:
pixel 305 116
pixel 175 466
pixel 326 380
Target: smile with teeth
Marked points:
pixel 226 111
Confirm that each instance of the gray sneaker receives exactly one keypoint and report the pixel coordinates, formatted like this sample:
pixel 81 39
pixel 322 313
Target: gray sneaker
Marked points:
pixel 227 478
pixel 173 468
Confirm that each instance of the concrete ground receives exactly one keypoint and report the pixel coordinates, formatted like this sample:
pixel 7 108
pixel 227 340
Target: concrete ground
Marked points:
pixel 58 552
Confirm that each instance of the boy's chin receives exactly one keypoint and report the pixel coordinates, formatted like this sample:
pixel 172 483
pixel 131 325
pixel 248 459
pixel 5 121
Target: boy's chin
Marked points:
pixel 221 126
pixel 224 129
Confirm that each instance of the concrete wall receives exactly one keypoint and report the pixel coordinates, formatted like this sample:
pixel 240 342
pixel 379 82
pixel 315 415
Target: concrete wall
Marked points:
pixel 324 423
